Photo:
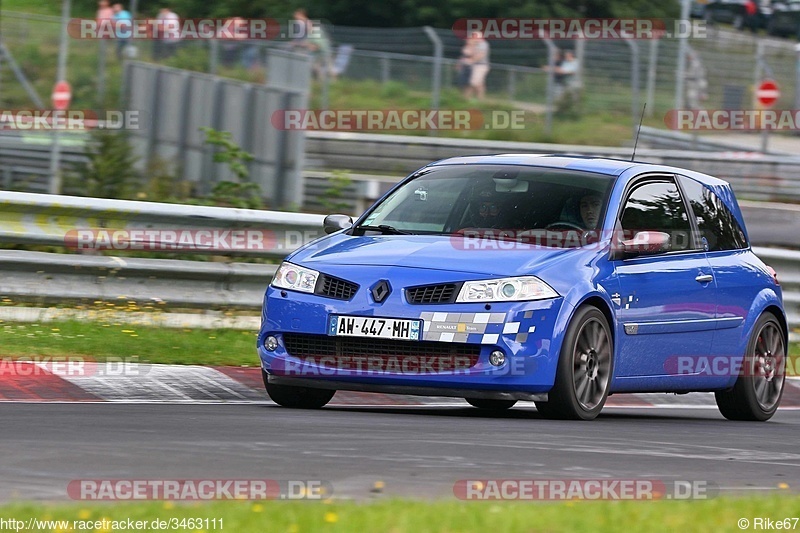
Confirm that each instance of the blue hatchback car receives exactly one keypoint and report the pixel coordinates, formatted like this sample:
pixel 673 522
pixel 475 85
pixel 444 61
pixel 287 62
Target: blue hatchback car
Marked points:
pixel 557 280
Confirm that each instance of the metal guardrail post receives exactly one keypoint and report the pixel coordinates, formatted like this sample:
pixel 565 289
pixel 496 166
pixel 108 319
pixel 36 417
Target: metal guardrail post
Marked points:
pixel 386 69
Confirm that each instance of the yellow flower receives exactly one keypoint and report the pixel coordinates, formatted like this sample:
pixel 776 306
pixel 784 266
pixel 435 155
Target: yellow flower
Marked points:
pixel 257 508
pixel 169 505
pixel 331 518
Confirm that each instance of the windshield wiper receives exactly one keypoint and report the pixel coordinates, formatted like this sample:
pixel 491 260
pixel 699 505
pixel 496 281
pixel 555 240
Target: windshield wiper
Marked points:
pixel 386 229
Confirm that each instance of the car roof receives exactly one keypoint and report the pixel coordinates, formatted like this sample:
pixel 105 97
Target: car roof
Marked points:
pixel 600 165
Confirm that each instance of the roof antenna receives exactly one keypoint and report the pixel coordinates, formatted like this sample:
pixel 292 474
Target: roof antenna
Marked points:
pixel 636 141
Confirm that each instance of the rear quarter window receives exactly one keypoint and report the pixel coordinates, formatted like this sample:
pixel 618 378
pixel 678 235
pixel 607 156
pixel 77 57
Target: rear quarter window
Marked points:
pixel 714 220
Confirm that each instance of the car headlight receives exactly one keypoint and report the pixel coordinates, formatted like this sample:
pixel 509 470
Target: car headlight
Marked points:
pixel 295 278
pixel 506 290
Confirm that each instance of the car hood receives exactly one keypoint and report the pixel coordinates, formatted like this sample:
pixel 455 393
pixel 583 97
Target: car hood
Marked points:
pixel 436 252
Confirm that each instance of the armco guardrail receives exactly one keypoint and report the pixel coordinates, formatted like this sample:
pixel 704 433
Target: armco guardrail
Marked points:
pixel 48 278
pixel 27 218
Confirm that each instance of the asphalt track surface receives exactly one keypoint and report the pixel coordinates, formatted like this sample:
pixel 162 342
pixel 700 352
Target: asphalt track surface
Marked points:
pixel 416 451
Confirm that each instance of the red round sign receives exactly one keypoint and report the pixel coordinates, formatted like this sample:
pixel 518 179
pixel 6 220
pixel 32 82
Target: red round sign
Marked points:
pixel 768 92
pixel 62 94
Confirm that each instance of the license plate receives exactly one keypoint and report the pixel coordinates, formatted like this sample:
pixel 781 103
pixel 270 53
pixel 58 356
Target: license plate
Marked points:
pixel 377 328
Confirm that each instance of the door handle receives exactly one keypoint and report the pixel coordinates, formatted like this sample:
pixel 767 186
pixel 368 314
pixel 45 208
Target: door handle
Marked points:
pixel 704 278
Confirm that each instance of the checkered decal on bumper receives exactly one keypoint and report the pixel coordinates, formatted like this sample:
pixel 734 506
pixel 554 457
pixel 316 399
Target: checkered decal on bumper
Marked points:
pixel 475 328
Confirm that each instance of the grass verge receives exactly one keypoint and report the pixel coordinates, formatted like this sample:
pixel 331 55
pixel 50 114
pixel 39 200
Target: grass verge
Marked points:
pixel 103 340
pixel 397 516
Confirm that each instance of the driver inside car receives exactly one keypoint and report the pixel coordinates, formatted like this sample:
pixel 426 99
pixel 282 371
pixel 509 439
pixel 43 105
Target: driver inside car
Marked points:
pixel 590 206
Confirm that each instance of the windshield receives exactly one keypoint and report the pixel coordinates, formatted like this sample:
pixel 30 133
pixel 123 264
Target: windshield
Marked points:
pixel 460 198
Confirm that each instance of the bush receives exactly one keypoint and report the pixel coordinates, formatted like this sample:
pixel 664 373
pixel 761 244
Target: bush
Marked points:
pixel 110 171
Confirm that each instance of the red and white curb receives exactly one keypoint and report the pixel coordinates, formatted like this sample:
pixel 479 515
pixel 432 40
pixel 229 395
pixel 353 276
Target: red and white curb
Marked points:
pixel 146 383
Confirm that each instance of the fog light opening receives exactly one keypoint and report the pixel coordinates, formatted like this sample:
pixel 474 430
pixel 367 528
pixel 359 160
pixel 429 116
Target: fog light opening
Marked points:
pixel 271 343
pixel 497 358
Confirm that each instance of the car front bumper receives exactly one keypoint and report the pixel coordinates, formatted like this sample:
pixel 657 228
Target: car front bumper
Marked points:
pixel 527 333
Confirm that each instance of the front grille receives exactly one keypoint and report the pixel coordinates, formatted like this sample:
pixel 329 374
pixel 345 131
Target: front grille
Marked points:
pixel 353 353
pixel 336 288
pixel 432 294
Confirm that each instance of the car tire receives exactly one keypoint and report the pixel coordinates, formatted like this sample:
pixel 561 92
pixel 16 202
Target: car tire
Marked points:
pixel 585 368
pixel 297 397
pixel 757 392
pixel 495 405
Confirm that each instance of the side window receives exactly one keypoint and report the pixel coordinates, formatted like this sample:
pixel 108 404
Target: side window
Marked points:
pixel 657 206
pixel 714 220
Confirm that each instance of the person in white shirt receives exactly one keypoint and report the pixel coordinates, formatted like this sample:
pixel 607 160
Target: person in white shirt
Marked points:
pixel 169 33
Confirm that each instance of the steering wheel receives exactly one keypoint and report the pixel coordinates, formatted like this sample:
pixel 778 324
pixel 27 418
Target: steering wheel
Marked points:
pixel 561 225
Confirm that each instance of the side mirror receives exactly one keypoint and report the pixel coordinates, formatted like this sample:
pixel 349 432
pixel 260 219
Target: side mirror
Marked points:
pixel 646 243
pixel 334 223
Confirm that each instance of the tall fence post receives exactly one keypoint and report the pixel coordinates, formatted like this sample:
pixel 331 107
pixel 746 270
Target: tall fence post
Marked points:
pixel 552 50
pixel 438 53
pixel 652 67
pixel 683 44
pixel 101 72
pixel 55 170
pixel 757 75
pixel 512 84
pixel 634 84
pixel 797 76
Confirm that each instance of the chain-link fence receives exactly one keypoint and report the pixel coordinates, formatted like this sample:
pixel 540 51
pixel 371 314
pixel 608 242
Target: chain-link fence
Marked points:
pixel 616 77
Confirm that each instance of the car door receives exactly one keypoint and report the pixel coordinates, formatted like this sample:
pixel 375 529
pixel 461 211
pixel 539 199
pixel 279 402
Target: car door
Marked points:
pixel 666 301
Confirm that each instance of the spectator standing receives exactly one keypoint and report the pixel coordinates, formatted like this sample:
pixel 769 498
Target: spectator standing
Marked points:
pixel 168 36
pixel 464 65
pixel 479 64
pixel 565 74
pixel 123 25
pixel 751 18
pixel 696 82
pixel 104 12
pixel 313 40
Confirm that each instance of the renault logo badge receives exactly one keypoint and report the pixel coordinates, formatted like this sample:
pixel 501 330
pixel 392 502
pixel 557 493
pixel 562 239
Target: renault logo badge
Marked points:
pixel 380 291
